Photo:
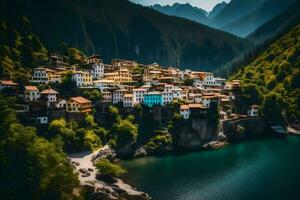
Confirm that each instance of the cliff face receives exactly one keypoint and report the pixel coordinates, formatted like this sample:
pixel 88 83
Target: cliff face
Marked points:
pixel 247 128
pixel 195 133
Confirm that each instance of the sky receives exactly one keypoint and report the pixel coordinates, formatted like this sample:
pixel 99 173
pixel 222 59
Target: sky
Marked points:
pixel 204 4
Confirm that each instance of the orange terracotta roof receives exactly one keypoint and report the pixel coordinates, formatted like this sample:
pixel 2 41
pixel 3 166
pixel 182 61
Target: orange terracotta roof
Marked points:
pixel 8 82
pixel 225 100
pixel 208 97
pixel 31 88
pixel 80 100
pixel 194 105
pixel 128 95
pixel 184 107
pixel 208 94
pixel 49 91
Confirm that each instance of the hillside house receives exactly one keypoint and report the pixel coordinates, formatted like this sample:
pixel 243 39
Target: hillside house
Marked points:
pixel 31 93
pixel 4 84
pixel 79 105
pixel 50 96
pixel 138 95
pixel 94 60
pixel 82 79
pixel 118 95
pixel 153 98
pixel 45 76
pixel 128 101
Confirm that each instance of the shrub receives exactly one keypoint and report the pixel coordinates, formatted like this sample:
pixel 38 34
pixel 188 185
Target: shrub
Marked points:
pixel 106 168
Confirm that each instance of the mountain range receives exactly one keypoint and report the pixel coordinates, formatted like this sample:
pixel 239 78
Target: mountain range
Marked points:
pixel 183 10
pixel 121 29
pixel 239 17
pixel 278 25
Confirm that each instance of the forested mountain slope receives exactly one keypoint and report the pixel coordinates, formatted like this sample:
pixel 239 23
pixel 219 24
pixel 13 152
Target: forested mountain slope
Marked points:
pixel 121 29
pixel 276 72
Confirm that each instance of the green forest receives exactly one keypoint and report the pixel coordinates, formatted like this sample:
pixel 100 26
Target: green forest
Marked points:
pixel 276 75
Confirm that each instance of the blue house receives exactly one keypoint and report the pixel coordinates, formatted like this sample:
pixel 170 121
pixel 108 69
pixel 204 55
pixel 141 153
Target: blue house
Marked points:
pixel 153 98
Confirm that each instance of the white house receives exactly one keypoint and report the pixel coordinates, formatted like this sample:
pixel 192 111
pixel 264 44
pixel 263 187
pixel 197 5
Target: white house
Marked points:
pixel 7 84
pixel 62 104
pixel 128 101
pixel 106 96
pixel 207 81
pixel 185 111
pixel 170 93
pixel 97 71
pixel 50 96
pixel 103 84
pixel 254 111
pixel 206 101
pixel 45 76
pixel 220 82
pixel 197 98
pixel 138 95
pixel 118 95
pixel 167 97
pixel 42 120
pixel 177 93
pixel 82 79
pixel 31 93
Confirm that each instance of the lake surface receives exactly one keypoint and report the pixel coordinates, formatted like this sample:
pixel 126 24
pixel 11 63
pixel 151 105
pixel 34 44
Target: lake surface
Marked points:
pixel 256 170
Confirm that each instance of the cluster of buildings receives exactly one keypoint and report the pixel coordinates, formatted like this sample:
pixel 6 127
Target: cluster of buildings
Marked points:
pixel 127 83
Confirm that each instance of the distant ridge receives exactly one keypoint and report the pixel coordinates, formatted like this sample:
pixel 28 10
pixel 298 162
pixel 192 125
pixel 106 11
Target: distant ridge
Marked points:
pixel 121 29
pixel 278 25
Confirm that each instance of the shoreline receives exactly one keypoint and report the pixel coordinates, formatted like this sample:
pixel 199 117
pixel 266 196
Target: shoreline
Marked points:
pixel 84 161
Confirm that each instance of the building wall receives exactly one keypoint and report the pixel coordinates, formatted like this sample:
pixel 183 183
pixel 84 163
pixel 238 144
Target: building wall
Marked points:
pixel 153 99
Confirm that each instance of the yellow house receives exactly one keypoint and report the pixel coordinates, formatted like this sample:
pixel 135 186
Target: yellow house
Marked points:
pixel 79 105
pixel 120 76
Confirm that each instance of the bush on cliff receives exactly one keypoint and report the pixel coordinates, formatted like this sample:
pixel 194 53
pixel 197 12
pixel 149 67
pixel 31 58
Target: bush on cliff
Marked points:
pixel 271 110
pixel 108 169
pixel 161 143
pixel 125 132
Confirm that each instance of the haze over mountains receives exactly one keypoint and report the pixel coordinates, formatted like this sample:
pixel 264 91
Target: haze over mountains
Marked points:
pixel 279 25
pixel 121 29
pixel 240 17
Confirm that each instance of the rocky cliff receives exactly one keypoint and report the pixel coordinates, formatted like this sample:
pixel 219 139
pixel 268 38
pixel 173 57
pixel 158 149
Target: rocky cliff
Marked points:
pixel 244 128
pixel 194 133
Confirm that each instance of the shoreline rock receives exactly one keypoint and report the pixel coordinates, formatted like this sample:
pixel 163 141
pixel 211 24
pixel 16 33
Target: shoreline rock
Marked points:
pixel 83 164
pixel 113 191
pixel 214 145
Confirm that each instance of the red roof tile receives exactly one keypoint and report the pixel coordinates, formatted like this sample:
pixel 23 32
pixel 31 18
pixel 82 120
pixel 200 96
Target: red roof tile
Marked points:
pixel 81 100
pixel 31 88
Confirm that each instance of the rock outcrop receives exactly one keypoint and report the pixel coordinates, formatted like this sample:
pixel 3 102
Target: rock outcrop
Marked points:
pixel 196 132
pixel 244 128
pixel 96 188
pixel 99 190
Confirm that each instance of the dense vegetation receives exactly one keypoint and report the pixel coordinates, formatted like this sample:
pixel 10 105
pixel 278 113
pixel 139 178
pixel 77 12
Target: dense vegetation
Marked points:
pixel 276 74
pixel 20 48
pixel 77 136
pixel 135 32
pixel 264 36
pixel 106 168
pixel 31 167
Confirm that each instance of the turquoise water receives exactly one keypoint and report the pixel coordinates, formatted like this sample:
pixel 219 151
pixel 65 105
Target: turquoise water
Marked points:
pixel 259 170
